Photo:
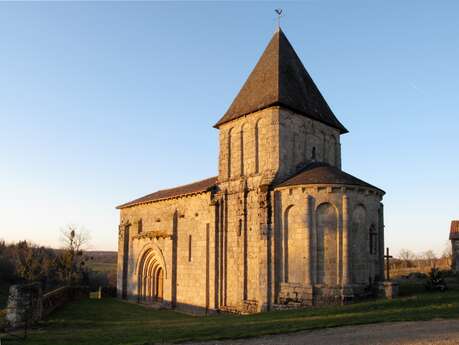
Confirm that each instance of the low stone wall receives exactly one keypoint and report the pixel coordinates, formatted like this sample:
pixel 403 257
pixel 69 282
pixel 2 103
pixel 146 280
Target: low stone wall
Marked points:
pixel 27 304
pixel 60 296
pixel 24 304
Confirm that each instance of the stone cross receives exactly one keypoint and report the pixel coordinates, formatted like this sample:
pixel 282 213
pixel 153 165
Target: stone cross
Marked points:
pixel 387 257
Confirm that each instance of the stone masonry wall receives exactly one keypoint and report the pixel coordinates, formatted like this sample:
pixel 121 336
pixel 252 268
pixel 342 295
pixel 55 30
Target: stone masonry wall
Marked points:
pixel 310 240
pixel 303 140
pixel 255 151
pixel 25 304
pixel 189 268
pixel 274 142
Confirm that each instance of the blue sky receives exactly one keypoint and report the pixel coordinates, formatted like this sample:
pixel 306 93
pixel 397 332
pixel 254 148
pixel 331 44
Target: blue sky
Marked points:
pixel 104 102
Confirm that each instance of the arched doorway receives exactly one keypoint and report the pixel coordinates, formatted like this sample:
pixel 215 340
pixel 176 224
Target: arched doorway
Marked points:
pixel 151 278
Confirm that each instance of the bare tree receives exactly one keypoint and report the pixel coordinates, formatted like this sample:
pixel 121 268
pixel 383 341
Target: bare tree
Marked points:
pixel 447 253
pixel 407 257
pixel 74 237
pixel 74 240
pixel 430 257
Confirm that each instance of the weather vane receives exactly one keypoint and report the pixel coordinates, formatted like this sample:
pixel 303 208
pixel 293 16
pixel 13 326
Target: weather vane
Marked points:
pixel 279 15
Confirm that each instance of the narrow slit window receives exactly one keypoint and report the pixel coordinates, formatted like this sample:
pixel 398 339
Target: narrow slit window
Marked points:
pixel 229 153
pixel 139 226
pixel 242 151
pixel 257 144
pixel 189 248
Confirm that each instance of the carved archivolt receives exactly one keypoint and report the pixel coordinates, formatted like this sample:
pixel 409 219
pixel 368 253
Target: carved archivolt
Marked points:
pixel 151 270
pixel 151 252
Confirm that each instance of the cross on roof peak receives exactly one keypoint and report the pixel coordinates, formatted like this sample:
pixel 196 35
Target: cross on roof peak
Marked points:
pixel 279 15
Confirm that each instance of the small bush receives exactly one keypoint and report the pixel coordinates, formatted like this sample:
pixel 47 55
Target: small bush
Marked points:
pixel 435 281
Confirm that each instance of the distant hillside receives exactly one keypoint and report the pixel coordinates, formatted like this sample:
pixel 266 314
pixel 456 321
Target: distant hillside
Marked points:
pixel 103 261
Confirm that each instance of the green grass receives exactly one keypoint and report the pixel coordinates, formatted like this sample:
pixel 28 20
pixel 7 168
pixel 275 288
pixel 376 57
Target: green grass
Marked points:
pixel 102 266
pixel 410 288
pixel 109 321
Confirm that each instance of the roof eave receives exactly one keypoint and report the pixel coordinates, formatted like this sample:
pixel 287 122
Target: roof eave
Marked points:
pixel 286 186
pixel 133 203
pixel 340 127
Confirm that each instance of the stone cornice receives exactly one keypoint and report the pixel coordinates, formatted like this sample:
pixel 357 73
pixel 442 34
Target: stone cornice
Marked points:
pixel 153 234
pixel 332 188
pixel 166 199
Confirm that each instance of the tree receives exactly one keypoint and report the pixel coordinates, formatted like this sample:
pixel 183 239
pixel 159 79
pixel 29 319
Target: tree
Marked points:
pixel 429 256
pixel 7 269
pixel 72 262
pixel 448 253
pixel 407 257
pixel 33 263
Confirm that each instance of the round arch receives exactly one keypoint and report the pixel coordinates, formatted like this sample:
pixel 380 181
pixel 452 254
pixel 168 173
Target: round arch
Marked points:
pixel 151 272
pixel 326 216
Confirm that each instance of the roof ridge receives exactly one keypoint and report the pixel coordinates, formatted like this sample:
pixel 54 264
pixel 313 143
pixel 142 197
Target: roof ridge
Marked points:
pixel 186 184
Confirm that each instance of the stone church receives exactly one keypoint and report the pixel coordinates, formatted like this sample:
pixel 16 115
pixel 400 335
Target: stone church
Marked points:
pixel 281 224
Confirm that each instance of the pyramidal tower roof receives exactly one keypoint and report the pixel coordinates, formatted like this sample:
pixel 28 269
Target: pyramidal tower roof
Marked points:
pixel 280 79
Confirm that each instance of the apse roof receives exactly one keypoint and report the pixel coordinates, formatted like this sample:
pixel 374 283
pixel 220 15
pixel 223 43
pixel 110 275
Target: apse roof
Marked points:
pixel 323 173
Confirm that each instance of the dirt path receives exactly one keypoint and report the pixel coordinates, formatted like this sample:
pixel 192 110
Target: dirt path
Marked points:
pixel 437 332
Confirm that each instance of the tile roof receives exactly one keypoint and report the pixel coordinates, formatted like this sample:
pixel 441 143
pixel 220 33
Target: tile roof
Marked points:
pixel 192 188
pixel 279 78
pixel 323 173
pixel 454 230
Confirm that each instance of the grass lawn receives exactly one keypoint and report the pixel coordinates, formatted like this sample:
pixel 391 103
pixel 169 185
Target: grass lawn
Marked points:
pixel 102 266
pixel 109 321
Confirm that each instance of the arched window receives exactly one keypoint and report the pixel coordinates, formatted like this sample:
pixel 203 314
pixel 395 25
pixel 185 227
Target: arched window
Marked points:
pixel 358 235
pixel 229 153
pixel 373 240
pixel 326 248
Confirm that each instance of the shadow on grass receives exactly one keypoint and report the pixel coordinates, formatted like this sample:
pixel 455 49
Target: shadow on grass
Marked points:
pixel 110 321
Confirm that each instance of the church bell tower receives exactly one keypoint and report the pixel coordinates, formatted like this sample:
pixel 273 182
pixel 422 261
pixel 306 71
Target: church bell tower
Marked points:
pixel 278 123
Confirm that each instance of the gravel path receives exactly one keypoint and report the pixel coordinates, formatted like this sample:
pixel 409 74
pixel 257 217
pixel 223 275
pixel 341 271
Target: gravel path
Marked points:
pixel 436 332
